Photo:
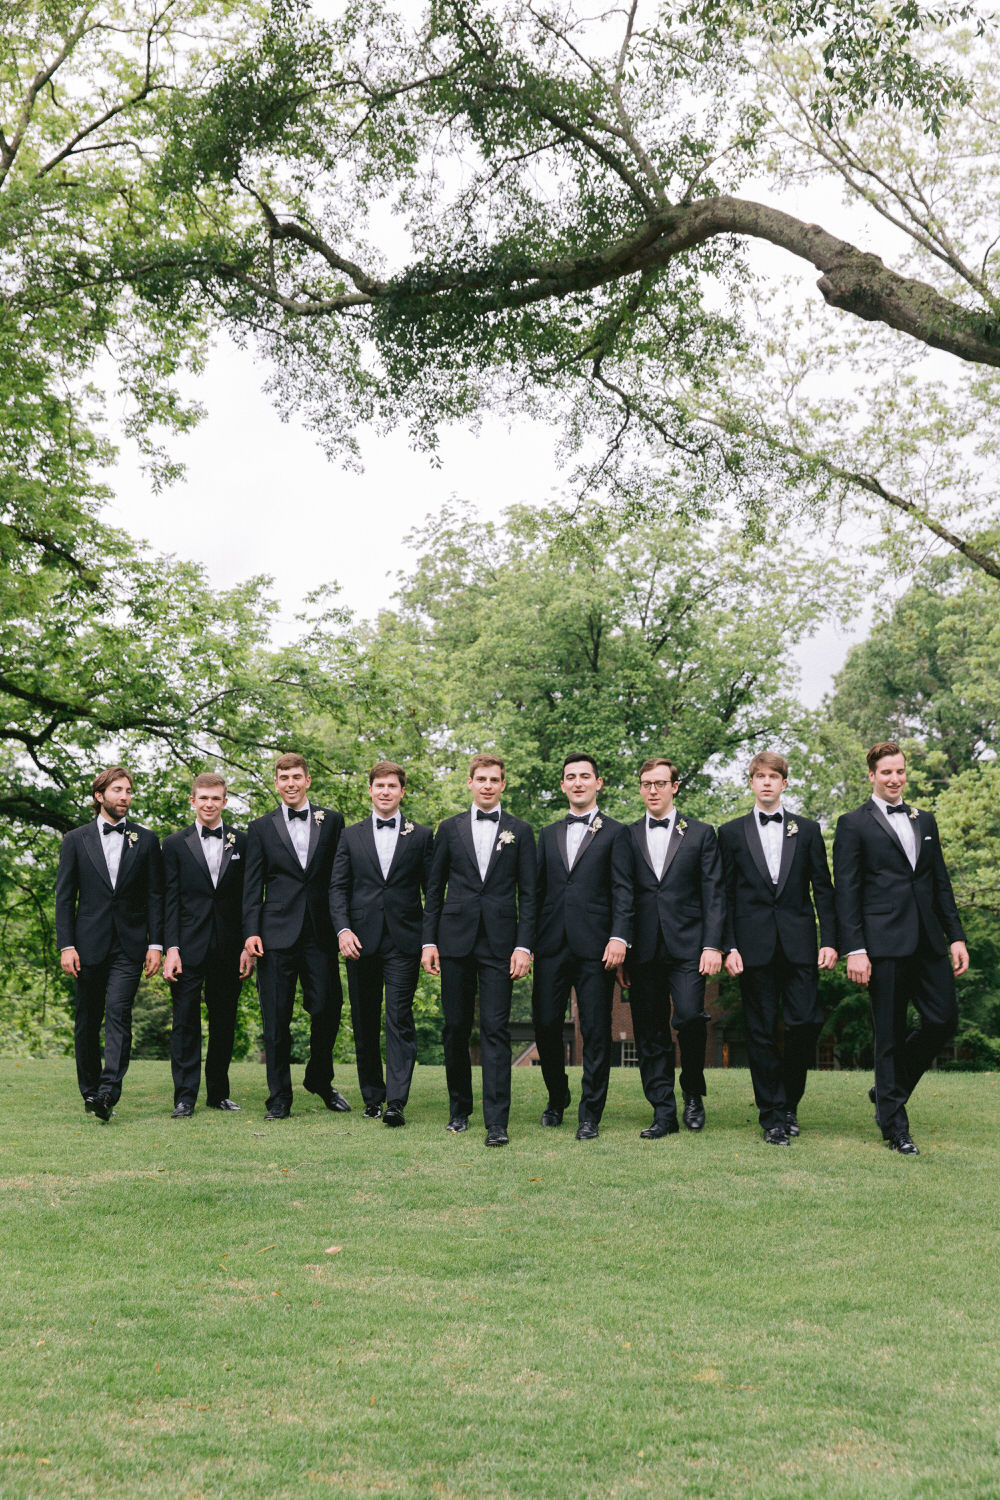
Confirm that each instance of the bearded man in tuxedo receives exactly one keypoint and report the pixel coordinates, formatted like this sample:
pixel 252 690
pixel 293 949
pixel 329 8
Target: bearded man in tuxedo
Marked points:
pixel 109 927
pixel 479 922
pixel 381 867
pixel 203 870
pixel 900 929
pixel 777 884
pixel 287 928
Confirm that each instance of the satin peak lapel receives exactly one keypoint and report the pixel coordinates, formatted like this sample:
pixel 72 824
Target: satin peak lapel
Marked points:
pixel 675 843
pixel 281 828
pixel 789 844
pixel 196 844
pixel 639 836
pixel 92 836
pixel 756 850
pixel 883 824
pixel 468 842
pixel 562 843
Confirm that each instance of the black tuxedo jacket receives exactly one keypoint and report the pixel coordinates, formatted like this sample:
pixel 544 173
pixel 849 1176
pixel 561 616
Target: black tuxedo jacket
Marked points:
pixel 458 899
pixel 580 909
pixel 90 913
pixel 758 912
pixel 688 903
pixel 277 891
pixel 883 905
pixel 198 915
pixel 371 904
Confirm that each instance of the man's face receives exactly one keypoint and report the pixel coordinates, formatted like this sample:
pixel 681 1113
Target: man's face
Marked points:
pixel 116 799
pixel 658 791
pixel 889 778
pixel 486 785
pixel 767 786
pixel 580 784
pixel 386 794
pixel 208 802
pixel 292 786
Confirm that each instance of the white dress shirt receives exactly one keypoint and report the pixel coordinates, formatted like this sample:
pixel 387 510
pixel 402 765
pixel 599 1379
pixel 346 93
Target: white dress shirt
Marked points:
pixel 298 831
pixel 657 840
pixel 484 837
pixel 385 840
pixel 902 825
pixel 113 844
pixel 771 835
pixel 212 850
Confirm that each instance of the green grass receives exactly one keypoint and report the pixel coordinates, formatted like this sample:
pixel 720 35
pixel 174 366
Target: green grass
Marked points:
pixel 700 1316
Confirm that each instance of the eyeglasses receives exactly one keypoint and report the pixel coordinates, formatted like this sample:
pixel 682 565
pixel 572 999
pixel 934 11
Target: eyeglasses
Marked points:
pixel 654 786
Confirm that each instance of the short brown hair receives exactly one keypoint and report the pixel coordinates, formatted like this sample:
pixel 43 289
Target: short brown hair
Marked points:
pixel 208 778
pixel 387 768
pixel 480 762
pixel 880 751
pixel 104 780
pixel 769 760
pixel 291 762
pixel 660 760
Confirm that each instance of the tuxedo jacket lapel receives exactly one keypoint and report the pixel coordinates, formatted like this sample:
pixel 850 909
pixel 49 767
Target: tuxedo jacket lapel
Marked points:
pixel 228 850
pixel 921 828
pixel 196 844
pixel 92 836
pixel 128 859
pixel 496 851
pixel 562 843
pixel 369 846
pixel 672 847
pixel 789 843
pixel 639 835
pixel 469 843
pixel 883 824
pixel 281 828
pixel 315 830
pixel 756 849
pixel 399 853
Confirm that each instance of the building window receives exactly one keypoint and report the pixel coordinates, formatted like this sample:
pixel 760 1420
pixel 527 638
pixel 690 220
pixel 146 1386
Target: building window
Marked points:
pixel 630 1057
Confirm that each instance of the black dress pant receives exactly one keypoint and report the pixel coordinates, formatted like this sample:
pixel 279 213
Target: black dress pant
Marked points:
pixel 317 968
pixel 927 980
pixel 555 975
pixel 658 985
pixel 460 978
pixel 395 974
pixel 105 992
pixel 780 1081
pixel 218 975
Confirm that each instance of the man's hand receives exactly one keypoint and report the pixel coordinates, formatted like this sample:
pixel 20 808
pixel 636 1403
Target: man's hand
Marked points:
pixel 70 961
pixel 624 978
pixel 152 964
pixel 350 944
pixel 959 958
pixel 246 964
pixel 520 964
pixel 734 963
pixel 430 959
pixel 254 947
pixel 172 965
pixel 711 961
pixel 614 954
pixel 828 958
pixel 859 967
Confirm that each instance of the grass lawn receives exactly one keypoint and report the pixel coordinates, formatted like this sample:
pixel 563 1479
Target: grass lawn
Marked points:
pixel 218 1307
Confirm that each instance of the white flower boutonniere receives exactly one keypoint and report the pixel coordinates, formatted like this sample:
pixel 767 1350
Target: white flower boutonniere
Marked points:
pixel 596 824
pixel 681 825
pixel 791 830
pixel 230 840
pixel 132 836
pixel 505 838
pixel 406 828
pixel 914 815
pixel 319 815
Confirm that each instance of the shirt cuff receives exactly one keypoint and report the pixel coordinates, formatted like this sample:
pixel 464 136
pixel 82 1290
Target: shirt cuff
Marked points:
pixel 855 951
pixel 154 947
pixel 427 945
pixel 520 949
pixel 613 939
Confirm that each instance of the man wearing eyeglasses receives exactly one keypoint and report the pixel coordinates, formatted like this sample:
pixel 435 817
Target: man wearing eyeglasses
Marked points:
pixel 675 869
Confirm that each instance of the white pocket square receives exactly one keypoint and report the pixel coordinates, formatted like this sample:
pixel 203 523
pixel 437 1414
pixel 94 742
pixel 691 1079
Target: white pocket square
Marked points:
pixel 234 858
pixel 927 838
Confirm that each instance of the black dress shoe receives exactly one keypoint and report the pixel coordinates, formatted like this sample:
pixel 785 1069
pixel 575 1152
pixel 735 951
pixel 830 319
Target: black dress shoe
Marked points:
pixel 551 1116
pixel 103 1107
pixel 277 1112
pixel 792 1123
pixel 871 1094
pixel 227 1104
pixel 659 1129
pixel 182 1110
pixel 497 1136
pixel 904 1144
pixel 393 1116
pixel 587 1130
pixel 372 1112
pixel 694 1112
pixel 88 1103
pixel 776 1136
pixel 332 1099
pixel 457 1124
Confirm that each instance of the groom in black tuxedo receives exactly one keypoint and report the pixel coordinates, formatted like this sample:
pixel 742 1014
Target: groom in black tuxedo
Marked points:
pixel 381 868
pixel 776 874
pixel 675 870
pixel 583 931
pixel 900 929
pixel 287 928
pixel 479 922
pixel 109 927
pixel 203 870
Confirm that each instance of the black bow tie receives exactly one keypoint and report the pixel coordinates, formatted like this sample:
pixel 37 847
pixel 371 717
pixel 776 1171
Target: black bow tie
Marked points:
pixel 385 822
pixel 211 833
pixel 766 818
pixel 659 822
pixel 302 813
pixel 113 828
pixel 481 817
pixel 583 818
pixel 898 807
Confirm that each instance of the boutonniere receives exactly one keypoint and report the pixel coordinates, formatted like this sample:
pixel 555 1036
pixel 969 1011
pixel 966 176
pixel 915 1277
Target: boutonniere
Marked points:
pixel 596 824
pixel 230 840
pixel 681 825
pixel 319 815
pixel 406 828
pixel 791 830
pixel 914 815
pixel 505 838
pixel 132 836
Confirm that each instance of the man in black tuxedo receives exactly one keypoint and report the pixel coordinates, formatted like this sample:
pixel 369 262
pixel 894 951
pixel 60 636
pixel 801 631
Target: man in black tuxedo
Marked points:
pixel 479 921
pixel 381 868
pixel 675 869
pixel 900 929
pixel 109 927
pixel 584 928
pixel 776 873
pixel 203 872
pixel 287 928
